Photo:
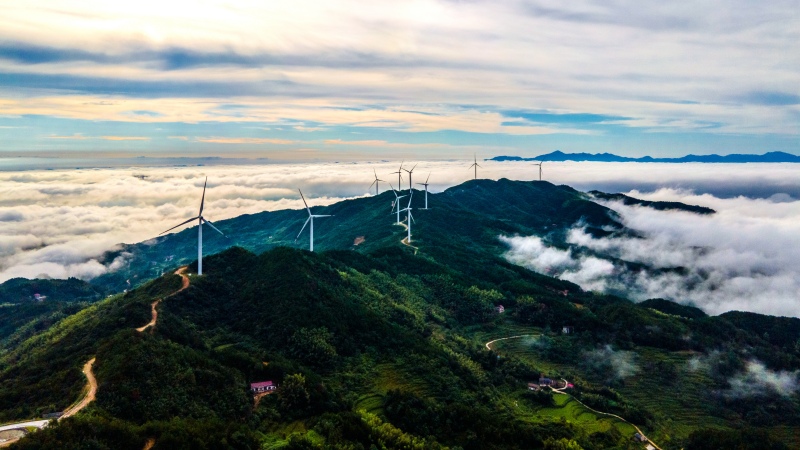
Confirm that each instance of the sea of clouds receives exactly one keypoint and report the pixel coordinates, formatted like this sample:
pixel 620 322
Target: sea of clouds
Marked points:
pixel 56 223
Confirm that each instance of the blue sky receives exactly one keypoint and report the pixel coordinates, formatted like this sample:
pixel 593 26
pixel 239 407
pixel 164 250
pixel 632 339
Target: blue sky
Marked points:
pixel 419 79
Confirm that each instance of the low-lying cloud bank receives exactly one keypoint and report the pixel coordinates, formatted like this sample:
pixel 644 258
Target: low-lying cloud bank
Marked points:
pixel 746 257
pixel 757 380
pixel 57 223
pixel 613 365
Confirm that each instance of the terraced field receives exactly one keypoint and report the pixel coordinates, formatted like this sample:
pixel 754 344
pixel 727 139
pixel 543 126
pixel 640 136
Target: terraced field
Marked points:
pixel 389 377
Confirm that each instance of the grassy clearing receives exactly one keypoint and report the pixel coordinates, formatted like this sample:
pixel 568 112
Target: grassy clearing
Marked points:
pixel 391 377
pixel 371 403
pixel 570 410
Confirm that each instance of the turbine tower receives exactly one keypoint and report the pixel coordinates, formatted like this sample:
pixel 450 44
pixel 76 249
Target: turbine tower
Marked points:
pixel 410 217
pixel 426 190
pixel 475 165
pixel 540 170
pixel 399 175
pixel 200 221
pixel 409 176
pixel 375 182
pixel 310 219
pixel 396 202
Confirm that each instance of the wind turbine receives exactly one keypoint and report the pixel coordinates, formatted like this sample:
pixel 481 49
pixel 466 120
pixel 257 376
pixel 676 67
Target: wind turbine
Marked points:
pixel 375 182
pixel 540 169
pixel 410 217
pixel 310 219
pixel 426 190
pixel 476 165
pixel 399 175
pixel 396 201
pixel 200 221
pixel 409 176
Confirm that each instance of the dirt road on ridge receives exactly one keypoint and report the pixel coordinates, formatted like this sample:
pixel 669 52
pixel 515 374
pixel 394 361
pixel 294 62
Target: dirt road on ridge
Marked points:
pixel 154 311
pixel 91 383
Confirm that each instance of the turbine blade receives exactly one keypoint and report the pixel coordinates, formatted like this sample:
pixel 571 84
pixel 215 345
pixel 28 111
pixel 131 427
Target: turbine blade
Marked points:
pixel 304 201
pixel 182 223
pixel 203 199
pixel 429 177
pixel 373 183
pixel 212 226
pixel 324 215
pixel 412 217
pixel 301 229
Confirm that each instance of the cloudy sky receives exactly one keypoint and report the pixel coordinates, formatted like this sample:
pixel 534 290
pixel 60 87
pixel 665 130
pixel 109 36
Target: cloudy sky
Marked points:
pixel 426 79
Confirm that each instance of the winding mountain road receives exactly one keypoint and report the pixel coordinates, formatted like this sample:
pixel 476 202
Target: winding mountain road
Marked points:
pixel 91 393
pixel 561 391
pixel 404 241
pixel 154 312
pixel 91 381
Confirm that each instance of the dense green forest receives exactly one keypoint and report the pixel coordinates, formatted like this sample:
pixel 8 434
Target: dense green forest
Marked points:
pixel 385 346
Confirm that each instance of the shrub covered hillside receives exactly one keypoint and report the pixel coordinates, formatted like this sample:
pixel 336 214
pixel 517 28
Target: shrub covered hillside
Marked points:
pixel 389 346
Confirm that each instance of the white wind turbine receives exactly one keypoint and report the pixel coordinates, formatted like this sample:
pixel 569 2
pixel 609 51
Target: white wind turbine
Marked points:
pixel 475 165
pixel 310 219
pixel 410 216
pixel 375 182
pixel 396 201
pixel 426 190
pixel 409 176
pixel 540 169
pixel 399 175
pixel 200 221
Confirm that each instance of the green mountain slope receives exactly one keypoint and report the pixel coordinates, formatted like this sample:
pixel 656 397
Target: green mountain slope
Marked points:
pixel 466 217
pixel 387 346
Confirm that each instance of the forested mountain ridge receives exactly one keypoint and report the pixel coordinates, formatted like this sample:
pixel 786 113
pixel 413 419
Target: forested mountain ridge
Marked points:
pixel 385 346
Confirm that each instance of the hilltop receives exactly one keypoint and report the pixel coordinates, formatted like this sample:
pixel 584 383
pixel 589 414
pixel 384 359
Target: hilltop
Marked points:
pixel 769 157
pixel 386 345
pixel 467 216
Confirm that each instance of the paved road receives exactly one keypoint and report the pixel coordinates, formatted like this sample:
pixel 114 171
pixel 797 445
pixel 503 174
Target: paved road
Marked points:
pixel 32 423
pixel 21 425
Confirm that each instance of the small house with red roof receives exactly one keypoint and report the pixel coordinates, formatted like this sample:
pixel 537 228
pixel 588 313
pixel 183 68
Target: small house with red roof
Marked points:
pixel 262 386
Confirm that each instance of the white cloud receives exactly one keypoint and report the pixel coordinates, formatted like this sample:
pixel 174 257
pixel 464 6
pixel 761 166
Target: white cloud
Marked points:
pixel 744 257
pixel 609 363
pixel 588 272
pixel 758 380
pixel 614 58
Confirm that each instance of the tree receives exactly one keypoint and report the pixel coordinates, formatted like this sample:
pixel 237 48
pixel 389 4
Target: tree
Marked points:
pixel 312 346
pixel 292 394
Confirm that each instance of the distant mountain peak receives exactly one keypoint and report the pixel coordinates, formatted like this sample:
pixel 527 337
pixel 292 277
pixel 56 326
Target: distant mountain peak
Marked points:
pixel 558 155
